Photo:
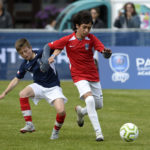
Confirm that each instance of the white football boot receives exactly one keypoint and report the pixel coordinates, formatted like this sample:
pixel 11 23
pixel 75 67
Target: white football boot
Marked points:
pixel 99 137
pixel 80 119
pixel 55 134
pixel 29 127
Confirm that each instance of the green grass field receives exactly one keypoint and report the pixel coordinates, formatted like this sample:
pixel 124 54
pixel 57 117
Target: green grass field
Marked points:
pixel 120 106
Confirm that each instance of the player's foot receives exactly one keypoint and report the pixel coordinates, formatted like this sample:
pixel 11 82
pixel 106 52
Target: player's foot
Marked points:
pixel 80 119
pixel 55 134
pixel 99 137
pixel 29 127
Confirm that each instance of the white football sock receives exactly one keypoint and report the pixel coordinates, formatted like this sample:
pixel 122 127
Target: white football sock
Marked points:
pixel 90 105
pixel 98 105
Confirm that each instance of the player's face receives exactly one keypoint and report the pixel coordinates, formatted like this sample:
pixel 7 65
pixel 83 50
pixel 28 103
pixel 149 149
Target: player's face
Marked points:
pixel 83 30
pixel 26 53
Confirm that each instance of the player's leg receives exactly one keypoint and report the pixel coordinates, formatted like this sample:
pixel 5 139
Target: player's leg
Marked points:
pixel 35 92
pixel 98 97
pixel 97 93
pixel 26 109
pixel 55 97
pixel 60 117
pixel 83 87
pixel 90 105
pixel 86 93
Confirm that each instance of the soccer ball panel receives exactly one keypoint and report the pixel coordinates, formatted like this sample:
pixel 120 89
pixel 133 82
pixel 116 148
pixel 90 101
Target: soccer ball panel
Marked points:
pixel 129 132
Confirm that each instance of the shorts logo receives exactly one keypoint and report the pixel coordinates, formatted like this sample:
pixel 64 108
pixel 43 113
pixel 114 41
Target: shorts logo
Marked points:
pixel 119 63
pixel 86 46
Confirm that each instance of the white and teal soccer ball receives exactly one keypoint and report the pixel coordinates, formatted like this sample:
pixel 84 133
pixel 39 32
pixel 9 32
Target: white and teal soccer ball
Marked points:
pixel 129 132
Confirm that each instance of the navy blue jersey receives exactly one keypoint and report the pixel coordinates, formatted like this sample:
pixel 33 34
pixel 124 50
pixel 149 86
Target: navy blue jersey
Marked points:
pixel 45 79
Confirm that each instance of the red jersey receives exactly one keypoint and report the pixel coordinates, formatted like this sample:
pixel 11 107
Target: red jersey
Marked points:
pixel 80 54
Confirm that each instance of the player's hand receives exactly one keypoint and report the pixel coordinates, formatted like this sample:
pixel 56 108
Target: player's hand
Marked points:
pixel 51 59
pixel 107 53
pixel 2 95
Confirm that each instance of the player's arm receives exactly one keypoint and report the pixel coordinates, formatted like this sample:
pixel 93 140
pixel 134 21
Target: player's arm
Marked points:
pixel 10 87
pixel 50 47
pixel 107 53
pixel 44 66
pixel 44 61
pixel 52 57
pixel 98 45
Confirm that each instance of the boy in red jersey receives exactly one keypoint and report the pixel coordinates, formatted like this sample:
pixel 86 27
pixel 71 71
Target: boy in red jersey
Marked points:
pixel 79 47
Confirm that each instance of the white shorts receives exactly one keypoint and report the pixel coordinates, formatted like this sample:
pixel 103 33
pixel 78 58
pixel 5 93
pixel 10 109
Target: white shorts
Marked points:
pixel 50 94
pixel 85 86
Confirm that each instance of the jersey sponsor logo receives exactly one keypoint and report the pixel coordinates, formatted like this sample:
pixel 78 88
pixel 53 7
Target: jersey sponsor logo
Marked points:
pixel 86 46
pixel 119 63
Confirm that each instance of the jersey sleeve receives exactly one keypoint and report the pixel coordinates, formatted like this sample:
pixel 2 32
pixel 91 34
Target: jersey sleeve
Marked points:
pixel 21 72
pixel 98 45
pixel 59 44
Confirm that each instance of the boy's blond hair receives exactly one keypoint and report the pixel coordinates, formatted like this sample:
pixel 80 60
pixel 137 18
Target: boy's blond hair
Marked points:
pixel 22 43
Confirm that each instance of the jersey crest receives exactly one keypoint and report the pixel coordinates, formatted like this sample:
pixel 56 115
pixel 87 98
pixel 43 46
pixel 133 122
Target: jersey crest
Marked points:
pixel 86 46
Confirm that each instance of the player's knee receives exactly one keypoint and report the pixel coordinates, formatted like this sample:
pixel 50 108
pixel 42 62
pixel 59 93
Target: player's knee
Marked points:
pixel 22 94
pixel 87 95
pixel 99 103
pixel 90 101
pixel 99 106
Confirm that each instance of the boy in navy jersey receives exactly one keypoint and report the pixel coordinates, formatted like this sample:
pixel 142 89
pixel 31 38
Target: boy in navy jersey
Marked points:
pixel 46 85
pixel 79 48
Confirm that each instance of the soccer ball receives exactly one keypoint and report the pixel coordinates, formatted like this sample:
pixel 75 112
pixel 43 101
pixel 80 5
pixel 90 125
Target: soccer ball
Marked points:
pixel 129 132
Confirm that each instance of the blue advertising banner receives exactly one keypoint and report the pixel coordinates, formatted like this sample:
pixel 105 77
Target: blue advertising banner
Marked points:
pixel 10 60
pixel 128 68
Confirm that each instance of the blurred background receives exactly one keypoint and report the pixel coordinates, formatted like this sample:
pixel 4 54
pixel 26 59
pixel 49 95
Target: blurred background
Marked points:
pixel 25 13
pixel 122 25
pixel 36 13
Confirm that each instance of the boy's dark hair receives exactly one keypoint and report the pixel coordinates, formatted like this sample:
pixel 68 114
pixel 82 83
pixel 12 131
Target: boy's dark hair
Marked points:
pixel 82 17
